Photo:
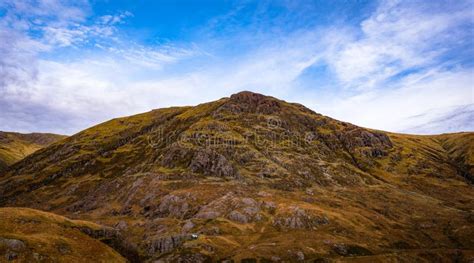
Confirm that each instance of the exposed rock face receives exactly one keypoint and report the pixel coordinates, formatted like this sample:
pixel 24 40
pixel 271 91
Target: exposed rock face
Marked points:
pixel 205 161
pixel 174 206
pixel 212 163
pixel 368 144
pixel 252 102
pixel 240 210
pixel 238 217
pixel 167 244
pixel 187 226
pixel 298 218
pixel 176 156
pixel 215 208
pixel 359 137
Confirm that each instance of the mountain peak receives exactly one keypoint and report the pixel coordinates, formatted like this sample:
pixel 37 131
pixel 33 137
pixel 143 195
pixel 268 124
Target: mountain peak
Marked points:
pixel 245 95
pixel 255 102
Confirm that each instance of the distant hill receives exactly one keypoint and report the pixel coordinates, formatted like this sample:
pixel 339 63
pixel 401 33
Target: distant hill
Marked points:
pixel 16 146
pixel 251 178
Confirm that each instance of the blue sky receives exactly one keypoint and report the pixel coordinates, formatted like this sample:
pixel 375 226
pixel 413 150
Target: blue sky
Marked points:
pixel 403 66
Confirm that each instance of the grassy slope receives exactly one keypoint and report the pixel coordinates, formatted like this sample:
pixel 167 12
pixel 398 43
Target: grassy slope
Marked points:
pixel 46 237
pixel 407 200
pixel 16 146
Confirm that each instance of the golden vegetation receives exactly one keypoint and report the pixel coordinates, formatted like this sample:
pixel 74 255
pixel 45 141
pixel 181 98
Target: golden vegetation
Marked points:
pixel 28 235
pixel 16 146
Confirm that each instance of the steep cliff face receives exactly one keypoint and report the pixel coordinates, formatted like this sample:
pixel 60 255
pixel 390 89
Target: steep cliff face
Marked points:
pixel 252 176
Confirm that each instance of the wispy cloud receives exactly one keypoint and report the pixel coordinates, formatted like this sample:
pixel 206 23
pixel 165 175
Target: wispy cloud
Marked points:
pixel 443 120
pixel 405 60
pixel 115 19
pixel 397 37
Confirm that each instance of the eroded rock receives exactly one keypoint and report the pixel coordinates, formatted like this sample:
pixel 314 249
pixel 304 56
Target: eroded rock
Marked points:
pixel 298 218
pixel 167 244
pixel 174 206
pixel 211 163
pixel 238 217
pixel 12 244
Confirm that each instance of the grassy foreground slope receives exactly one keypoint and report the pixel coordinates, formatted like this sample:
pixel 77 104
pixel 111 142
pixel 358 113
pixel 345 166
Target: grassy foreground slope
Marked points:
pixel 255 178
pixel 16 146
pixel 28 235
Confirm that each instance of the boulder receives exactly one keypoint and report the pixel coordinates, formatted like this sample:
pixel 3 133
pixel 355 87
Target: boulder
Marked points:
pixel 12 244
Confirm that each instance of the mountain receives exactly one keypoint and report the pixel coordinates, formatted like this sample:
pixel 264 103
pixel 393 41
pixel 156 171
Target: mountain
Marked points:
pixel 251 178
pixel 15 146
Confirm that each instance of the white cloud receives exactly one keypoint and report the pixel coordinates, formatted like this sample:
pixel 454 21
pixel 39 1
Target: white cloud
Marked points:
pixel 454 119
pixel 400 35
pixel 114 19
pixel 393 108
pixel 154 57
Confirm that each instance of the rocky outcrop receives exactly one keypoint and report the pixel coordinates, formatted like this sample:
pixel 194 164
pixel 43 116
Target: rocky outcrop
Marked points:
pixel 358 137
pixel 212 163
pixel 245 210
pixel 176 206
pixel 251 102
pixel 167 244
pixel 176 156
pixel 10 248
pixel 298 218
pixel 237 209
pixel 215 208
pixel 202 161
pixel 13 244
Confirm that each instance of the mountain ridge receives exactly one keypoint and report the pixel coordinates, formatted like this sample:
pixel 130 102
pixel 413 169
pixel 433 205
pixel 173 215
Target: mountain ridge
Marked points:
pixel 224 179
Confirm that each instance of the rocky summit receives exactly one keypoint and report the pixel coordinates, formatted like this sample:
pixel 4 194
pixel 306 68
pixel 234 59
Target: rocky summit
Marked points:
pixel 252 178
